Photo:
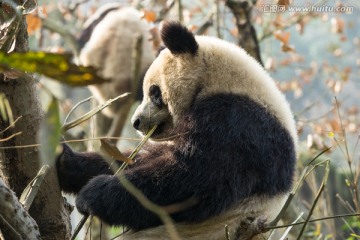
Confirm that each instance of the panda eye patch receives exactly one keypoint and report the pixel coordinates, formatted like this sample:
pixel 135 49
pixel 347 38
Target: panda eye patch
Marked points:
pixel 155 95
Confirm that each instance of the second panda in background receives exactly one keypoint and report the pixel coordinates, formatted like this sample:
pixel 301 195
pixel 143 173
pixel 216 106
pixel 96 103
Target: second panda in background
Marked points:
pixel 107 43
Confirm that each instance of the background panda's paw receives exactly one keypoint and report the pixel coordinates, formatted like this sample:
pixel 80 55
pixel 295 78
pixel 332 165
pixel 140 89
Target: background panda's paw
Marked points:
pixel 95 197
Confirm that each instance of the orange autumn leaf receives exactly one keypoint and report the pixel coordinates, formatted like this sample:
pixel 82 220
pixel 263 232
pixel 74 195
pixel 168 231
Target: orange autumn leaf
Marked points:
pixel 150 16
pixel 33 22
pixel 282 36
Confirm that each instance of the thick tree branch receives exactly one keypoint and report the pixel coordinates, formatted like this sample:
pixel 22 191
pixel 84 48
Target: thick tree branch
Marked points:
pixel 247 34
pixel 15 221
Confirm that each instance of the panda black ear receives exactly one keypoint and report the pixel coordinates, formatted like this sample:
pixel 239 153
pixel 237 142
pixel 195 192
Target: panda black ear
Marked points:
pixel 178 39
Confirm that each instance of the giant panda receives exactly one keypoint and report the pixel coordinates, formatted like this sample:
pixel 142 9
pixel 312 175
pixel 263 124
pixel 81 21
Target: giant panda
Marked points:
pixel 226 141
pixel 106 43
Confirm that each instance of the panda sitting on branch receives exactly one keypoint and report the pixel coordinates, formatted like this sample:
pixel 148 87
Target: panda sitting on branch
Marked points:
pixel 226 139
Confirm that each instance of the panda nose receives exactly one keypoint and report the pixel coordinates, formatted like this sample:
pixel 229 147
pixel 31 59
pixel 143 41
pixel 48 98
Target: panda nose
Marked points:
pixel 136 124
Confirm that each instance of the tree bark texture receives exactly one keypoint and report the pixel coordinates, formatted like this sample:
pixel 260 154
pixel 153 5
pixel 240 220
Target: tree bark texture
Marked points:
pixel 15 221
pixel 18 166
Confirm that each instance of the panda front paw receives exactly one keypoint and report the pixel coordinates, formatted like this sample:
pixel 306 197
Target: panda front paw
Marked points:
pixel 97 198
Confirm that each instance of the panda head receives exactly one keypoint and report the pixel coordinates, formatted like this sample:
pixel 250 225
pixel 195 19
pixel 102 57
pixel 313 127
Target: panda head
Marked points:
pixel 170 80
pixel 192 68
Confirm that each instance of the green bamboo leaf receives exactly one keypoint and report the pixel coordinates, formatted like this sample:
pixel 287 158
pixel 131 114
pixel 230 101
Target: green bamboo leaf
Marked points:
pixel 50 134
pixel 52 65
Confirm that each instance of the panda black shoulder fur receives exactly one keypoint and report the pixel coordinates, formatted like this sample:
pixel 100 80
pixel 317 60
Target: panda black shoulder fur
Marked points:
pixel 226 139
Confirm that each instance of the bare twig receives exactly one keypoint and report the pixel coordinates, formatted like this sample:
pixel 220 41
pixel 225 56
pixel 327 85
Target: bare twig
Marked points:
pixel 76 106
pixel 73 6
pixel 145 202
pixel 10 137
pixel 354 176
pixel 136 150
pixel 164 11
pixel 217 18
pixel 290 24
pixel 206 24
pixel 180 11
pixel 315 220
pixel 283 237
pixel 11 125
pixel 79 226
pixel 227 234
pixel 64 32
pixel 322 187
pixel 296 188
pixel 136 56
pixel 91 113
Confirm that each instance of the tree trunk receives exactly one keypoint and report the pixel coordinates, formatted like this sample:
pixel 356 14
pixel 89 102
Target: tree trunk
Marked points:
pixel 247 35
pixel 18 166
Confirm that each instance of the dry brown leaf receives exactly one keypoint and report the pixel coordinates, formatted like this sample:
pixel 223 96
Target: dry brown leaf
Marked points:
pixel 112 151
pixel 287 48
pixel 335 125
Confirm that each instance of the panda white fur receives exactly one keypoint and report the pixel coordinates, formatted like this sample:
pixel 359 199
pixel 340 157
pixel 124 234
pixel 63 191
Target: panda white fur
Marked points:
pixel 107 43
pixel 226 139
